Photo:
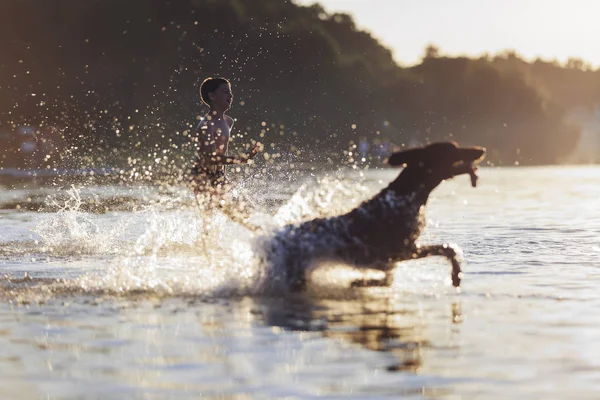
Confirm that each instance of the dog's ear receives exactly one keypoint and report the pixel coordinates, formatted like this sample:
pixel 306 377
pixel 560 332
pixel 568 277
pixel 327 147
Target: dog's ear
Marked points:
pixel 408 157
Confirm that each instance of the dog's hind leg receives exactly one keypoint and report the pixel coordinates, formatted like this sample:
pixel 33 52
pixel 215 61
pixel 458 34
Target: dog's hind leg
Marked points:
pixel 445 251
pixel 296 274
pixel 297 283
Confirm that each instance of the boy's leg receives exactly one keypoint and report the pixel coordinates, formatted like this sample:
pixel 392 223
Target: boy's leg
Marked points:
pixel 236 208
pixel 216 193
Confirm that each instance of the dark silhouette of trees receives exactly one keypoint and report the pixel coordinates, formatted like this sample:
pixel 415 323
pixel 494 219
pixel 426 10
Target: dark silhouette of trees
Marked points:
pixel 120 78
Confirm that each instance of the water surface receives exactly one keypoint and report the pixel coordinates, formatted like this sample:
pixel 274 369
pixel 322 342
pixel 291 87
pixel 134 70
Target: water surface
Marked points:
pixel 132 292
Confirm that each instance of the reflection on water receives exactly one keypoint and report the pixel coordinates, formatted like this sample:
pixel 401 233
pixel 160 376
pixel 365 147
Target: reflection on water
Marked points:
pixel 247 347
pixel 111 292
pixel 377 323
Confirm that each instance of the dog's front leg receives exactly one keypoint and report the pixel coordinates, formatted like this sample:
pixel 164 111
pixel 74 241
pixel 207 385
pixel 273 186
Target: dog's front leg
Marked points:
pixel 442 250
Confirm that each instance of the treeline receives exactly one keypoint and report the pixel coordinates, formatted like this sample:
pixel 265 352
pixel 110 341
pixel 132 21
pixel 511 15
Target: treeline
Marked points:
pixel 120 78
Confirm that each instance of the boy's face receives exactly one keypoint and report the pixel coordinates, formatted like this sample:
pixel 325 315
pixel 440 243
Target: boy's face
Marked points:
pixel 222 98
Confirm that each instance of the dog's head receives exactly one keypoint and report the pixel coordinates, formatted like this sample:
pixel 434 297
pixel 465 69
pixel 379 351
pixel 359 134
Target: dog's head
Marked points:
pixel 442 159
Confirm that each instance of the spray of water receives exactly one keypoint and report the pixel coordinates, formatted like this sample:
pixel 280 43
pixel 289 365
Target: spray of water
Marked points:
pixel 71 231
pixel 171 249
pixel 170 246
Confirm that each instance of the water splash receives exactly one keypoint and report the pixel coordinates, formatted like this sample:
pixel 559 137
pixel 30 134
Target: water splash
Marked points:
pixel 329 196
pixel 183 254
pixel 70 231
pixel 171 247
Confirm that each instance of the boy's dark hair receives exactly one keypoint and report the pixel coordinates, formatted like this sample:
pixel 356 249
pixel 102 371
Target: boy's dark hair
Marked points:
pixel 209 85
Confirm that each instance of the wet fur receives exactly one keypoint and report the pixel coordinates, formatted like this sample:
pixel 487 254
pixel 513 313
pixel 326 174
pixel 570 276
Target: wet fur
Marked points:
pixel 382 230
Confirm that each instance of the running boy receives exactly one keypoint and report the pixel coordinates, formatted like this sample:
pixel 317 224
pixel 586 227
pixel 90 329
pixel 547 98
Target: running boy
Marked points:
pixel 211 138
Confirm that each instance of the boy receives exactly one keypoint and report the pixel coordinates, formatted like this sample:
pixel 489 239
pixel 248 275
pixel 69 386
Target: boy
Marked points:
pixel 211 138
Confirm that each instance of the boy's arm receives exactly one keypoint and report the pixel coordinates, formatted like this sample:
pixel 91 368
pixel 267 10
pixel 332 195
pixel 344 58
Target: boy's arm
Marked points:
pixel 207 154
pixel 220 159
pixel 199 140
pixel 206 150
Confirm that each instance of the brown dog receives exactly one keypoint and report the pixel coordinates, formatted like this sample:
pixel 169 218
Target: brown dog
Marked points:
pixel 383 230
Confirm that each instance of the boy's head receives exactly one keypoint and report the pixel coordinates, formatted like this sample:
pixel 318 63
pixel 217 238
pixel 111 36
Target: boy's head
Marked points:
pixel 216 93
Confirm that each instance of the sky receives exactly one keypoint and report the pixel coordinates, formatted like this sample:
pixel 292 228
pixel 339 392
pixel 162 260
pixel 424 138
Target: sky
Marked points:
pixel 550 29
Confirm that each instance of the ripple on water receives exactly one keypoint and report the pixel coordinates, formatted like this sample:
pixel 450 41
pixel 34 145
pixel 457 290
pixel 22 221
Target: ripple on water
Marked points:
pixel 152 298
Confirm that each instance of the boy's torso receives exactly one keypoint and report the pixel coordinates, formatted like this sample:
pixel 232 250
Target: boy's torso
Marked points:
pixel 213 134
pixel 221 132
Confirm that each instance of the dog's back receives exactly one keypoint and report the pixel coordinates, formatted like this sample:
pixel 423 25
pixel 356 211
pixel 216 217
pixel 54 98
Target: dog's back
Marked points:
pixel 385 225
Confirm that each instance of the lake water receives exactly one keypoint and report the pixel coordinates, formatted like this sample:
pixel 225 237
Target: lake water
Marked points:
pixel 130 292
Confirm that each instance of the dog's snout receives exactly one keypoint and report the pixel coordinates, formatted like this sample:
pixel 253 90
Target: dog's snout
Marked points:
pixel 482 151
pixel 472 154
